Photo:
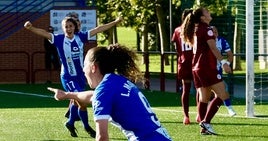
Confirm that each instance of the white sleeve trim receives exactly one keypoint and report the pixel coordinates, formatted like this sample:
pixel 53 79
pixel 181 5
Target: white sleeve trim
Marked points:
pixel 100 117
pixel 227 50
pixel 89 37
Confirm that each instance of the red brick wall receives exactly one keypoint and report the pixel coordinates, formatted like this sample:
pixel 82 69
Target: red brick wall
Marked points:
pixel 27 45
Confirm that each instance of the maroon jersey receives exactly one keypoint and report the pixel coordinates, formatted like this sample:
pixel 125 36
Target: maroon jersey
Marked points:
pixel 184 55
pixel 203 56
pixel 204 62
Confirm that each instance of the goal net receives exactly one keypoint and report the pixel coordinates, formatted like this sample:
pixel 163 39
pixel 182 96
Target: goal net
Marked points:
pixel 251 29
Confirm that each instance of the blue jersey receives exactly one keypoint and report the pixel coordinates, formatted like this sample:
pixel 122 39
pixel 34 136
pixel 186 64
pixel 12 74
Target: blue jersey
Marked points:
pixel 71 53
pixel 119 99
pixel 223 47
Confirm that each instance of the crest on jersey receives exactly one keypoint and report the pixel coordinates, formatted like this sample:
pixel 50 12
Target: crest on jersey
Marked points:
pixel 219 76
pixel 75 49
pixel 210 33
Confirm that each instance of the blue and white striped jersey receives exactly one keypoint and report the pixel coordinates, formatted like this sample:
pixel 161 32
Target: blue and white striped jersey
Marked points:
pixel 223 47
pixel 71 53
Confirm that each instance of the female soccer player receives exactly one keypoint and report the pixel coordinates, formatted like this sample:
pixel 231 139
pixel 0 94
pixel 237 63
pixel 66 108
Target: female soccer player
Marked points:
pixel 224 47
pixel 70 49
pixel 197 32
pixel 111 72
pixel 185 55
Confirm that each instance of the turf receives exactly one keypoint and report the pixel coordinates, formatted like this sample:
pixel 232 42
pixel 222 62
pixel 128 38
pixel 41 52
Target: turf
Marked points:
pixel 25 116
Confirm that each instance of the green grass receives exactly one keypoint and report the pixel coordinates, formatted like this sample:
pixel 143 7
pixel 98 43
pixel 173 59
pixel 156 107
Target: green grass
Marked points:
pixel 31 118
pixel 126 36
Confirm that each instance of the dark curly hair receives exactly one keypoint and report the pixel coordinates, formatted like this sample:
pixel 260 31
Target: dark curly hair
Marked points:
pixel 118 59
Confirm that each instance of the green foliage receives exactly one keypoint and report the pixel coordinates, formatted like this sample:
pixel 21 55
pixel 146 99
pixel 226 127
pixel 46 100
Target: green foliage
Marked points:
pixel 137 13
pixel 134 12
pixel 217 7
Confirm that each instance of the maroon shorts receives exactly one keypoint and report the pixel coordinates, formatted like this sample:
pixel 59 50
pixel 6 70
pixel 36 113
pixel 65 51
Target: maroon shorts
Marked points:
pixel 206 78
pixel 185 72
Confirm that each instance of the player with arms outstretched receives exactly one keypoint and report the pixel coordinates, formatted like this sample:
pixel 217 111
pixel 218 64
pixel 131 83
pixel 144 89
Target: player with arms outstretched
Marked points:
pixel 70 49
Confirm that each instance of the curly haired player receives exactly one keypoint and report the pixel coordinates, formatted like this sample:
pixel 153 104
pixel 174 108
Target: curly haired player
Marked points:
pixel 111 72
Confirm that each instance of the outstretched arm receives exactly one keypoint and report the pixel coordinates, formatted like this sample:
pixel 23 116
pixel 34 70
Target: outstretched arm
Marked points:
pixel 105 27
pixel 41 32
pixel 82 97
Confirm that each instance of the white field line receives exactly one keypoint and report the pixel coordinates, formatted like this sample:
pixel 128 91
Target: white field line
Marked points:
pixel 23 93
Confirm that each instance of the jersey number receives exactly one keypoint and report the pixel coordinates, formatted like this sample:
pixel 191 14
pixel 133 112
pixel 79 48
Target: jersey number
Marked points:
pixel 148 108
pixel 185 46
pixel 70 85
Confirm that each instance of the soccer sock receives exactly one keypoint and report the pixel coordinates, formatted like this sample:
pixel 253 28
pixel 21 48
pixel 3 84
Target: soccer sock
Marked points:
pixel 84 118
pixel 73 114
pixel 197 98
pixel 214 106
pixel 197 106
pixel 227 102
pixel 185 98
pixel 202 110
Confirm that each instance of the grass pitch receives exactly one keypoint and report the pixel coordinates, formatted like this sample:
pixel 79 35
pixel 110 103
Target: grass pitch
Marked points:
pixel 29 113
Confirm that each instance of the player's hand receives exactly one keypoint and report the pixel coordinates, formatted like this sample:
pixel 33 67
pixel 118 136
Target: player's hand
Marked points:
pixel 227 68
pixel 58 94
pixel 28 25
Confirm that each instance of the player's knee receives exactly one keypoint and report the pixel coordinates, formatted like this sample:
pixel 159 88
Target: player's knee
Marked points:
pixel 83 107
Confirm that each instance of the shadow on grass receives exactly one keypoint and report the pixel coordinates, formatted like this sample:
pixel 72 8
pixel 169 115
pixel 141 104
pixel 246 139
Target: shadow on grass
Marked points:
pixel 37 96
pixel 244 136
pixel 169 99
pixel 118 139
pixel 261 116
pixel 240 124
pixel 22 101
pixel 52 140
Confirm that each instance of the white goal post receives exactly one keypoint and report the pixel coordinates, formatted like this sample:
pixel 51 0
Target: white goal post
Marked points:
pixel 249 58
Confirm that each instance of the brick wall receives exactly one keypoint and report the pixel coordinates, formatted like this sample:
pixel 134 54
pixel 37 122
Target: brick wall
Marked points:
pixel 27 56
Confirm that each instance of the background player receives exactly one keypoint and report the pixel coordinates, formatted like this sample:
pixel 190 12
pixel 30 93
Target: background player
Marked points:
pixel 197 32
pixel 184 55
pixel 224 47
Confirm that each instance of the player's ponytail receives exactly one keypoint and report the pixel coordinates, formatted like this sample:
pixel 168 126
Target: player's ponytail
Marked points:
pixel 116 59
pixel 188 26
pixel 124 62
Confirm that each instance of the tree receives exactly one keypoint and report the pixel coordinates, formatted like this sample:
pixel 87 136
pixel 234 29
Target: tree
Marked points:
pixel 217 7
pixel 237 45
